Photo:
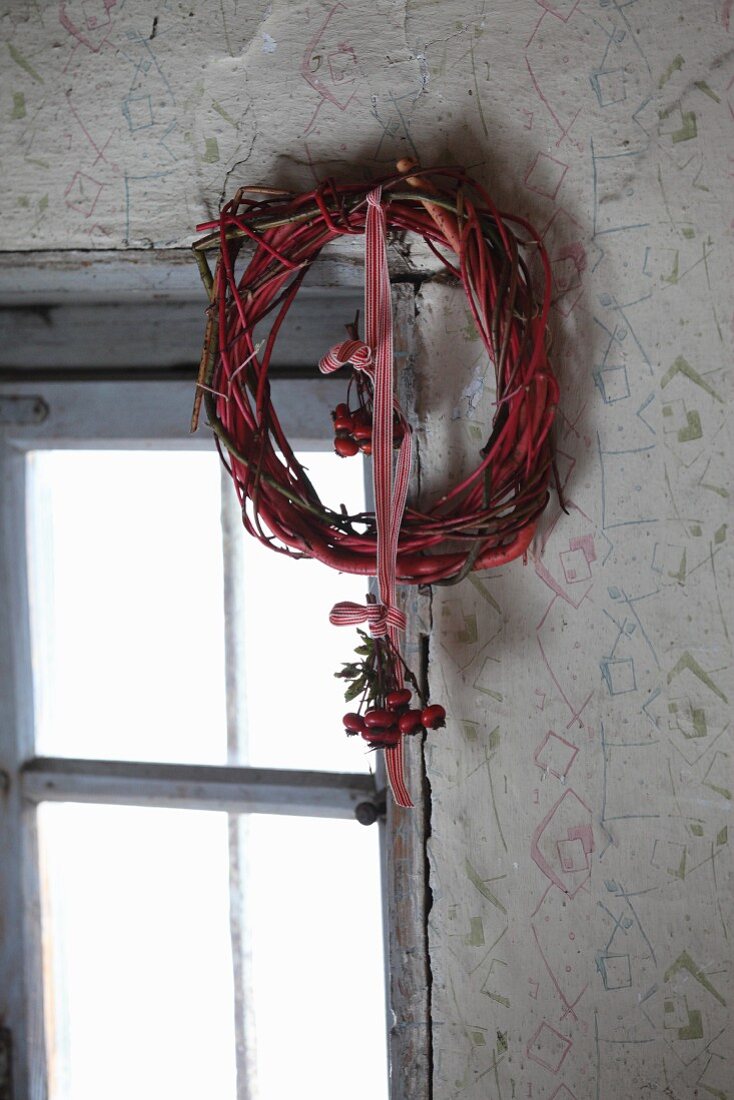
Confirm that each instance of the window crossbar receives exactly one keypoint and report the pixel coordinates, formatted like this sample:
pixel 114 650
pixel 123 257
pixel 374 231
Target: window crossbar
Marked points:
pixel 197 787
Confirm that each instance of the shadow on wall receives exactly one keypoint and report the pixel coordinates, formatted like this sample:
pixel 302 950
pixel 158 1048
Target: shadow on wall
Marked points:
pixel 455 383
pixel 525 183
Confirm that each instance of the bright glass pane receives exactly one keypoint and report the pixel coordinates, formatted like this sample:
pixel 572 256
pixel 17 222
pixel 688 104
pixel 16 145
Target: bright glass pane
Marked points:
pixel 127 608
pixel 140 996
pixel 294 702
pixel 138 958
pixel 318 979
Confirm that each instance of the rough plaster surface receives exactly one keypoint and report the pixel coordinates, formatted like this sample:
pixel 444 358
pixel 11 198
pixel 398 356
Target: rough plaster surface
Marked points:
pixel 580 932
pixel 128 120
pixel 581 870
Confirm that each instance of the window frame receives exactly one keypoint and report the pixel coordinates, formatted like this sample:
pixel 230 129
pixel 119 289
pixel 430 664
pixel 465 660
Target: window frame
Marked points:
pixel 91 414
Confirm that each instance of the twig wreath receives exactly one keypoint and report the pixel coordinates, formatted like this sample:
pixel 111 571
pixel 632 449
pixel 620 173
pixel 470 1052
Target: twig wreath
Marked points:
pixel 484 521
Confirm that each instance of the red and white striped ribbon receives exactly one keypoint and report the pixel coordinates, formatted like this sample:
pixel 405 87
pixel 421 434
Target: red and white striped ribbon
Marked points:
pixel 375 357
pixel 351 351
pixel 378 617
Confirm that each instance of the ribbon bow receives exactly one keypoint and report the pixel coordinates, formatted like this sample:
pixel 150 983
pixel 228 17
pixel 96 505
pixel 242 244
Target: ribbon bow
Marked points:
pixel 374 356
pixel 378 617
pixel 355 352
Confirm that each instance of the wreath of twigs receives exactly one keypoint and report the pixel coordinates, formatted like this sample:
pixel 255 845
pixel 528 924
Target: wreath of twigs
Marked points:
pixel 489 517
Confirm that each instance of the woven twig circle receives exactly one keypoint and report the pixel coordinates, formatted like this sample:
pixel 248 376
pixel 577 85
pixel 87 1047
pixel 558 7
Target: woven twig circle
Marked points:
pixel 489 517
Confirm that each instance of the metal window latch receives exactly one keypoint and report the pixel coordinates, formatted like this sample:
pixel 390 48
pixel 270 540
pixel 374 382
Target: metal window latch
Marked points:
pixel 368 812
pixel 6 1064
pixel 23 410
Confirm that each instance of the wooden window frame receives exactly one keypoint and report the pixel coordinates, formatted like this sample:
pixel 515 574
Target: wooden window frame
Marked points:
pixel 99 414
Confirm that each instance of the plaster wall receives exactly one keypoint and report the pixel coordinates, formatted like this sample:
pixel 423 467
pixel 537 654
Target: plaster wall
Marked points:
pixel 580 861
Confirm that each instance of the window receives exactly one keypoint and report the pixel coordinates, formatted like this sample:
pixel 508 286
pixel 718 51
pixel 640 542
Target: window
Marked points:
pixel 171 810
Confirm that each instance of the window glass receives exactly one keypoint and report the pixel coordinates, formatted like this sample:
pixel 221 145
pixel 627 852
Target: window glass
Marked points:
pixel 138 954
pixel 318 977
pixel 126 604
pixel 126 577
pixel 294 702
pixel 140 995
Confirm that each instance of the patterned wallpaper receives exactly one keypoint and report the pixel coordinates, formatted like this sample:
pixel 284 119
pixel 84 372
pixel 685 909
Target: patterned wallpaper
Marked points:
pixel 581 869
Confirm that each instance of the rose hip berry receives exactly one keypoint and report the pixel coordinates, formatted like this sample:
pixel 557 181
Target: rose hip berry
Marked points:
pixel 382 738
pixel 399 698
pixel 377 718
pixel 353 723
pixel 345 448
pixel 390 737
pixel 410 722
pixel 433 717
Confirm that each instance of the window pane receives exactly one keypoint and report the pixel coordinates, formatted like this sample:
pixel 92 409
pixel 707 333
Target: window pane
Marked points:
pixel 127 607
pixel 128 622
pixel 294 703
pixel 138 953
pixel 140 994
pixel 318 976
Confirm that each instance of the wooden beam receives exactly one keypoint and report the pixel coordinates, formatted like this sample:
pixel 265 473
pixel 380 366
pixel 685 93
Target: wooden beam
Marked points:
pixel 407 886
pixel 117 415
pixel 170 275
pixel 21 956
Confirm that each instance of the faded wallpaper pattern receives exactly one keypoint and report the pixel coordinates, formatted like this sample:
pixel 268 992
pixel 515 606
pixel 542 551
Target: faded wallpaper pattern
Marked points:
pixel 581 869
pixel 580 859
